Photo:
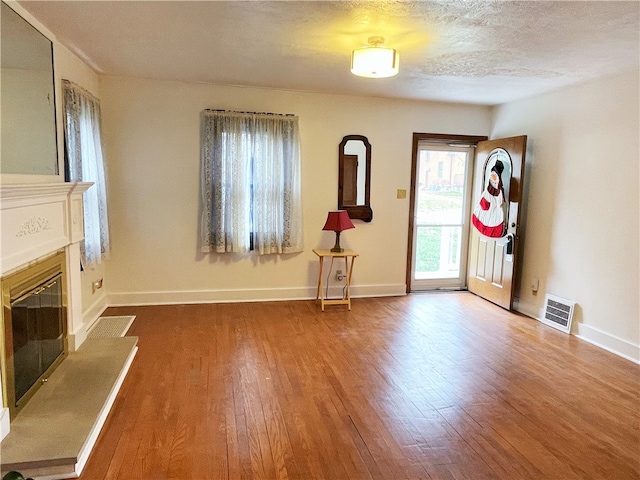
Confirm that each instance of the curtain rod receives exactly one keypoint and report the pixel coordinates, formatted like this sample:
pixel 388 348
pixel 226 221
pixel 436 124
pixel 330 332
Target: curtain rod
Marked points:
pixel 250 113
pixel 81 89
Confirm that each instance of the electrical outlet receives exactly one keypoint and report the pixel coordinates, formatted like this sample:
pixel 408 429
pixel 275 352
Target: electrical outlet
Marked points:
pixel 340 276
pixel 96 285
pixel 535 284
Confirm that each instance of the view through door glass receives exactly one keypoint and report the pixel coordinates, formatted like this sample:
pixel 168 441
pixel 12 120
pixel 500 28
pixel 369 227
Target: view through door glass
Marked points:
pixel 440 236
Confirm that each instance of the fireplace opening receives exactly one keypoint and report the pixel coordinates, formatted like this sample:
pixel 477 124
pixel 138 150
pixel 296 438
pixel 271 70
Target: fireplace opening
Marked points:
pixel 35 328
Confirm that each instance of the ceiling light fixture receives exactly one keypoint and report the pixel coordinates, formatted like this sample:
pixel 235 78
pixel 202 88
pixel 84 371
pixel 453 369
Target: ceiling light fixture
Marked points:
pixel 375 61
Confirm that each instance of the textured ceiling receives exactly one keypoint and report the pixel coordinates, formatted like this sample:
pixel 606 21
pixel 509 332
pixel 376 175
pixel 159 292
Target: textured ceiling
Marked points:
pixel 483 52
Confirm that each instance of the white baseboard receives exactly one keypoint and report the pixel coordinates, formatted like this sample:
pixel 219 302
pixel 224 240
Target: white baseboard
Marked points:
pixel 597 337
pixel 241 295
pixel 77 338
pixel 384 290
pixel 95 310
pixel 608 342
pixel 89 317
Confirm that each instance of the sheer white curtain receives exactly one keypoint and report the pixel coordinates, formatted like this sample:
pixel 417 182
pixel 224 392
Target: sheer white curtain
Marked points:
pixel 250 183
pixel 85 163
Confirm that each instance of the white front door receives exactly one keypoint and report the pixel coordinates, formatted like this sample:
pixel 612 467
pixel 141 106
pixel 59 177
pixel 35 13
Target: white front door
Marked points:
pixel 495 238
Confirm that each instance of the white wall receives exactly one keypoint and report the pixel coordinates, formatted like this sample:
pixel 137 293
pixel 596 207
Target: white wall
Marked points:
pixel 582 216
pixel 153 169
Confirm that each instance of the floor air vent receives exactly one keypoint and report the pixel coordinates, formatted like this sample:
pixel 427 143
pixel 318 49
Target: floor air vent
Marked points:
pixel 558 313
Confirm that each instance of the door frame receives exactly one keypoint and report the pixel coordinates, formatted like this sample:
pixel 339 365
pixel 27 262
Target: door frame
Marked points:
pixel 456 140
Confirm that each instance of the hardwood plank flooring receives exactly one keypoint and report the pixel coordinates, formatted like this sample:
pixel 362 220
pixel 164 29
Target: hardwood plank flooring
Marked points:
pixel 432 386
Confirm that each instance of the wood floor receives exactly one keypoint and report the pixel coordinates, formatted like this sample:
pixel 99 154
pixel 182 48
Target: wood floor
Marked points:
pixel 442 386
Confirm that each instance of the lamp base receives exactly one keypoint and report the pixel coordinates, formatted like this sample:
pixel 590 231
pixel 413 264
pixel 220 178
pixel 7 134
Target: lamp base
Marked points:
pixel 336 247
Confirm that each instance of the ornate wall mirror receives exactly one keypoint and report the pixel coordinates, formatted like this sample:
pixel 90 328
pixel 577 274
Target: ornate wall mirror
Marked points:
pixel 354 177
pixel 28 136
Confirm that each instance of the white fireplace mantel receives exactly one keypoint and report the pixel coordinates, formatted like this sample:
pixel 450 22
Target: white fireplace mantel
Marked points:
pixel 38 219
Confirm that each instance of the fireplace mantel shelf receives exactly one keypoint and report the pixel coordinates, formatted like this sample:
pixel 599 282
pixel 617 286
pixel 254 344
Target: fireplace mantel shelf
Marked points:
pixel 37 190
pixel 38 219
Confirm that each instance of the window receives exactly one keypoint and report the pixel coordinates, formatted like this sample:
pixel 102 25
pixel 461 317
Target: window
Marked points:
pixel 250 177
pixel 84 162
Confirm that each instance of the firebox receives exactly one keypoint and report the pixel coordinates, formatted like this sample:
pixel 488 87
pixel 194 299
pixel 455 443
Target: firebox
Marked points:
pixel 34 328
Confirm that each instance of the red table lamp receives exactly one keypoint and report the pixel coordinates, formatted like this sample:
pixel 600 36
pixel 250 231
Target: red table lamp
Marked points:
pixel 338 221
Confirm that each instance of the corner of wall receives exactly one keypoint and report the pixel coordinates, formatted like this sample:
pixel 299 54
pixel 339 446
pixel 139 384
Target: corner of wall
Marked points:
pixel 76 339
pixel 89 317
pixel 527 309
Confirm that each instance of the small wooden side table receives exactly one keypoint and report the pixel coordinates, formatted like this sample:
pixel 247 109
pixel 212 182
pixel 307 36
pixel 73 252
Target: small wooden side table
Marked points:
pixel 347 255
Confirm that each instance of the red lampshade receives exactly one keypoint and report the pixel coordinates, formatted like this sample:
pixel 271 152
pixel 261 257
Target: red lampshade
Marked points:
pixel 338 221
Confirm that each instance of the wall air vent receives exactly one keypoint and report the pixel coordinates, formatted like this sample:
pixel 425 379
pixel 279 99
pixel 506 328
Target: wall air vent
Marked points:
pixel 558 313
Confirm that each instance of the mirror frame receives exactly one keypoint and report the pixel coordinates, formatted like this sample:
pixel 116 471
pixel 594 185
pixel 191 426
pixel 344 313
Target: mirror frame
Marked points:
pixel 357 212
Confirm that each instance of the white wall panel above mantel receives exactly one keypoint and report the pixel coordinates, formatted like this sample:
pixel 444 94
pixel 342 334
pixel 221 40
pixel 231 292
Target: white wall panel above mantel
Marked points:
pixel 38 219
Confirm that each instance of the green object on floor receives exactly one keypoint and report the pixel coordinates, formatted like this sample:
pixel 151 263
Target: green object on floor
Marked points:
pixel 14 476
